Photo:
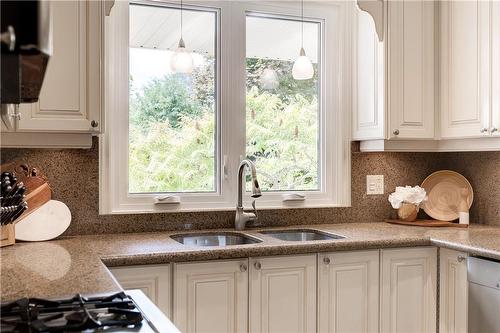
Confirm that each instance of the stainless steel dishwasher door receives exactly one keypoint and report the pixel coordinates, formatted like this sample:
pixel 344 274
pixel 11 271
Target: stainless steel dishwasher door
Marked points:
pixel 484 295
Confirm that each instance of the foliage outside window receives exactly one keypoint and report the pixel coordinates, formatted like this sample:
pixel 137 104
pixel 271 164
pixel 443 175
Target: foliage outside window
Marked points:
pixel 172 126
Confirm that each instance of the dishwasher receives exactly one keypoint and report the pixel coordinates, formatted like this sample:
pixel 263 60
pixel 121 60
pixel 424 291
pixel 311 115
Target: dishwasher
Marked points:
pixel 484 295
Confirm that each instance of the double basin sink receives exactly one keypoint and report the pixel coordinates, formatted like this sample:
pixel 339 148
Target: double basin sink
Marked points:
pixel 236 238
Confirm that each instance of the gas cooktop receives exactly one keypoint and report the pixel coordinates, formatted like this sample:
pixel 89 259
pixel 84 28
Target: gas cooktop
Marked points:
pixel 113 313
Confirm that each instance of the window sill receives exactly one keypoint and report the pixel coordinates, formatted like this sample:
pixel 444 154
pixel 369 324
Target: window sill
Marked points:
pixel 156 209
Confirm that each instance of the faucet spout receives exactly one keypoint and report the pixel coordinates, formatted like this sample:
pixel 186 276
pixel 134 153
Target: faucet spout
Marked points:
pixel 243 217
pixel 255 183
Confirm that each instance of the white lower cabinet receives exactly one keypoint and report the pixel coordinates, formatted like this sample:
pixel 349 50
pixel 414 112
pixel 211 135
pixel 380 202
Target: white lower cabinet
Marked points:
pixel 453 291
pixel 154 281
pixel 408 290
pixel 348 297
pixel 392 290
pixel 211 296
pixel 283 294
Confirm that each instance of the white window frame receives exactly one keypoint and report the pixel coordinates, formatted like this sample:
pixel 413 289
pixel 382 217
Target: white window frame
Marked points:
pixel 335 117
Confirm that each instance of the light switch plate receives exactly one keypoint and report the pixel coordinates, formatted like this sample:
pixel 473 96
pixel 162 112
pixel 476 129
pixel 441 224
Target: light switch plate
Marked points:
pixel 374 184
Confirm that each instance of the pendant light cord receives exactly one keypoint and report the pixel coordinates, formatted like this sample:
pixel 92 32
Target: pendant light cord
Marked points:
pixel 181 19
pixel 302 24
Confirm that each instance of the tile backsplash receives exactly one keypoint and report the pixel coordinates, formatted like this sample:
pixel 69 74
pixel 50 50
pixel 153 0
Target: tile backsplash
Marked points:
pixel 74 178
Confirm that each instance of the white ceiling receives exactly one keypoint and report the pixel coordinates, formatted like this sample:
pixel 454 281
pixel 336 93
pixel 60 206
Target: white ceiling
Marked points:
pixel 159 28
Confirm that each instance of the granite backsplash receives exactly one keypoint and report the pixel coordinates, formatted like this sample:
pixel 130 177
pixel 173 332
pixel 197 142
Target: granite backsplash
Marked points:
pixel 74 178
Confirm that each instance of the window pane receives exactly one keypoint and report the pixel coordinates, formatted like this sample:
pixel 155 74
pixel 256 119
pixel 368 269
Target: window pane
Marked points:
pixel 282 114
pixel 172 123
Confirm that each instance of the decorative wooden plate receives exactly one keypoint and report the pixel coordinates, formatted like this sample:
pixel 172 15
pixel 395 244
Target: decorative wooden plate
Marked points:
pixel 428 223
pixel 444 194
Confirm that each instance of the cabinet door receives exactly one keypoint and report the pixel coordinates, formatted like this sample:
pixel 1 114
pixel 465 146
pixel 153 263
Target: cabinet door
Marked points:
pixel 408 290
pixel 495 72
pixel 348 292
pixel 410 62
pixel 283 294
pixel 368 79
pixel 453 291
pixel 153 280
pixel 465 71
pixel 70 95
pixel 211 296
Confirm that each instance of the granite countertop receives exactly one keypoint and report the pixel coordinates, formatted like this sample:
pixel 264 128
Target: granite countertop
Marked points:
pixel 73 265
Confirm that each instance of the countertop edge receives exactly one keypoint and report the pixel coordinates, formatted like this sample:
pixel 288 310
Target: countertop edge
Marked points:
pixel 82 264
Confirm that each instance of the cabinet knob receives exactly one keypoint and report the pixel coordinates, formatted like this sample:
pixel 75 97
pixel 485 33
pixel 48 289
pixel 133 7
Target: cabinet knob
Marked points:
pixel 493 130
pixel 395 132
pixel 483 130
pixel 326 261
pixel 461 258
pixel 94 123
pixel 257 265
pixel 243 268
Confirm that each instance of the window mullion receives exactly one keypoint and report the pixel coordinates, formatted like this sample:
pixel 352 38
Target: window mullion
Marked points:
pixel 233 91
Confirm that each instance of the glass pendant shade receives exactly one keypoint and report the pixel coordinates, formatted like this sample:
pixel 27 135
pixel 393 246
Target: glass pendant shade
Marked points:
pixel 182 59
pixel 302 67
pixel 269 79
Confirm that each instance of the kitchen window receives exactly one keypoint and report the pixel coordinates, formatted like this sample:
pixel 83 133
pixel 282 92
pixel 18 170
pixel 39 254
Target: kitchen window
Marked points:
pixel 175 135
pixel 173 116
pixel 283 114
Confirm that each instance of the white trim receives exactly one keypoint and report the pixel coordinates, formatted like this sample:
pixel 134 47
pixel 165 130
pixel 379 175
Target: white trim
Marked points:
pixel 46 140
pixel 455 145
pixel 114 196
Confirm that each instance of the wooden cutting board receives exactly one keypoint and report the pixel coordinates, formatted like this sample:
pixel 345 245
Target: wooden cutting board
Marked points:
pixel 428 223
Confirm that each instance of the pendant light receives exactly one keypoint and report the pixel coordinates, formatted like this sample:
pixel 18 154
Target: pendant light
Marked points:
pixel 302 67
pixel 269 79
pixel 182 60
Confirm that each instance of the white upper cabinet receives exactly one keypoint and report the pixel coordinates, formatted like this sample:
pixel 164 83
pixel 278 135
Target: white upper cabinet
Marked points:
pixel 70 96
pixel 410 64
pixel 368 80
pixel 283 294
pixel 211 296
pixel 408 290
pixel 495 70
pixel 401 69
pixel 441 61
pixel 465 68
pixel 348 297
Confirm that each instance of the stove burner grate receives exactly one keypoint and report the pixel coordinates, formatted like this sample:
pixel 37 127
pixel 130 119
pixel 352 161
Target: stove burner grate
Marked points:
pixel 70 315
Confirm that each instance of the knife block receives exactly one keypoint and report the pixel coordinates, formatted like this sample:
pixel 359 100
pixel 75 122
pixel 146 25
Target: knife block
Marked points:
pixel 7 234
pixel 38 192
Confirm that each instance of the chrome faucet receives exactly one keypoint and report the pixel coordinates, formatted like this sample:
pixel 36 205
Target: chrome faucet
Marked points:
pixel 242 217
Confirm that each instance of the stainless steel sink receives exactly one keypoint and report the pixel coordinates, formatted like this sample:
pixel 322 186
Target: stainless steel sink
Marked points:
pixel 301 235
pixel 214 239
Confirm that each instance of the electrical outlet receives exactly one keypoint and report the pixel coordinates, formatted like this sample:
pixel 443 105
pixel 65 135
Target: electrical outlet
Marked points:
pixel 374 184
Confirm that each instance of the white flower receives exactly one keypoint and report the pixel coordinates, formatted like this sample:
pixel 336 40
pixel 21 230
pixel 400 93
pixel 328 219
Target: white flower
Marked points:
pixel 412 195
